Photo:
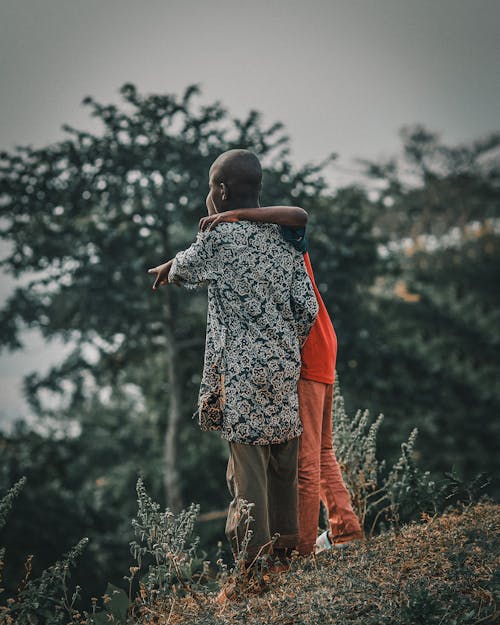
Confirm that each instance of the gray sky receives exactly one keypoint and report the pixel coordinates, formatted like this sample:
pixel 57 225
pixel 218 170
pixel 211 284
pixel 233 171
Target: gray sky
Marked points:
pixel 343 75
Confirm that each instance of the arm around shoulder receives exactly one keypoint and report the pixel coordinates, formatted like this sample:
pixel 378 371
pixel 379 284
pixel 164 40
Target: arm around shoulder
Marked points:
pixel 292 216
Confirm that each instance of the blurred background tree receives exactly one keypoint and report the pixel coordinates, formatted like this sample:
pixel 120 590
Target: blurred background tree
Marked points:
pixel 84 218
pixel 434 360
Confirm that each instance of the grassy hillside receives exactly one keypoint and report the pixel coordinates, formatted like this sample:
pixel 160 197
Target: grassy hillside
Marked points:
pixel 443 570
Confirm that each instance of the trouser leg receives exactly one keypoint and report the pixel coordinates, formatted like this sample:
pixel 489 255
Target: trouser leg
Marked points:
pixel 344 523
pixel 311 401
pixel 282 493
pixel 247 479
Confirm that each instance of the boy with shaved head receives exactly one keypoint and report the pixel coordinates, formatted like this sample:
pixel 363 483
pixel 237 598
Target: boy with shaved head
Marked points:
pixel 320 477
pixel 261 306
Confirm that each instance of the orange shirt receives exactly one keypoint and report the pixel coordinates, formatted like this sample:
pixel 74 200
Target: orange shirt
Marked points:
pixel 319 352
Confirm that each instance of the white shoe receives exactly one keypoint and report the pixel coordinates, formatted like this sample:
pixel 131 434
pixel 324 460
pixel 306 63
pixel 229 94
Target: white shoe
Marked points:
pixel 323 543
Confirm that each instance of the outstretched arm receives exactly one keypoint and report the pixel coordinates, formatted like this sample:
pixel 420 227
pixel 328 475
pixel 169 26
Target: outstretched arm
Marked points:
pixel 161 274
pixel 292 216
pixel 192 266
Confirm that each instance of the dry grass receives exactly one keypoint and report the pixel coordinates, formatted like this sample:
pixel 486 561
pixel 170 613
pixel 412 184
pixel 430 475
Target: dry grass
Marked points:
pixel 443 570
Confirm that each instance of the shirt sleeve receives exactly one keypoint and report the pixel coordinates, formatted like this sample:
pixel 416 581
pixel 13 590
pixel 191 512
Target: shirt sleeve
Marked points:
pixel 303 300
pixel 197 264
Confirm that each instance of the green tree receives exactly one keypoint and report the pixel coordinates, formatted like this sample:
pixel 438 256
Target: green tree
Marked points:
pixel 84 219
pixel 79 485
pixel 438 305
pixel 87 216
pixel 432 187
pixel 343 250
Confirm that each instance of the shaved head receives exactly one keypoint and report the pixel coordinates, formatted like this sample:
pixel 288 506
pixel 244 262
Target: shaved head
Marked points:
pixel 240 170
pixel 235 181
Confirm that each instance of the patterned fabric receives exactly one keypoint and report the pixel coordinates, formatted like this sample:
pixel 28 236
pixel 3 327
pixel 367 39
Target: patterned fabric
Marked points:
pixel 261 307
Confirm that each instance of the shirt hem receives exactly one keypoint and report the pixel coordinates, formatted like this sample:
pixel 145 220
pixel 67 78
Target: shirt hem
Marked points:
pixel 318 378
pixel 271 441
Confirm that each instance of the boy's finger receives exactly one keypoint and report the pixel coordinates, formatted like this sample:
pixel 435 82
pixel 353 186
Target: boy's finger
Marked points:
pixel 214 222
pixel 204 222
pixel 153 270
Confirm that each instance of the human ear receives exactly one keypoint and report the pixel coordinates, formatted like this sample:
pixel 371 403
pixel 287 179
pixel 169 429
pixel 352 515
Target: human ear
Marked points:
pixel 224 191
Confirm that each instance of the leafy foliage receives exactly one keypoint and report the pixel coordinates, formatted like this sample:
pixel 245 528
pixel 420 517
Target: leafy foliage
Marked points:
pixel 45 598
pixel 163 540
pixel 166 564
pixel 417 321
pixel 8 499
pixel 433 339
pixel 116 607
pixel 383 496
pixel 84 219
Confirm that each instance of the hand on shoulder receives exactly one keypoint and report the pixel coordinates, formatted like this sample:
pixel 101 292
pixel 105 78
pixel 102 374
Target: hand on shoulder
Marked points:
pixel 210 221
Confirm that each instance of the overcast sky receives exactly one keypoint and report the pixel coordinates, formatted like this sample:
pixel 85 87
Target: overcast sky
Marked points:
pixel 343 75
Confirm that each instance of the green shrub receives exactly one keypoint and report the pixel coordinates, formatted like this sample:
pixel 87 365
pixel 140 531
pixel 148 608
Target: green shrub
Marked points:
pixel 384 496
pixel 45 599
pixel 168 568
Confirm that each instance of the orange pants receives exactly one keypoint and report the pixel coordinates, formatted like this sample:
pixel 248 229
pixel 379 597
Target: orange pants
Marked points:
pixel 319 471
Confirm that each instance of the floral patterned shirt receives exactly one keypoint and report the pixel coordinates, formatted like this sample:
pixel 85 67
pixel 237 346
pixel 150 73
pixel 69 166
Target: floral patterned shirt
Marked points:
pixel 261 306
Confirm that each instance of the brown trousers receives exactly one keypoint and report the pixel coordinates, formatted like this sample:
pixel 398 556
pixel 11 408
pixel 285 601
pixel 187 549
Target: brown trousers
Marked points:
pixel 265 475
pixel 319 471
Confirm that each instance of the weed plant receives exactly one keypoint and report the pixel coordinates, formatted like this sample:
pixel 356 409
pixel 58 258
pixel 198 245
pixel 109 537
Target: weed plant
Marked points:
pixel 171 583
pixel 46 599
pixel 385 497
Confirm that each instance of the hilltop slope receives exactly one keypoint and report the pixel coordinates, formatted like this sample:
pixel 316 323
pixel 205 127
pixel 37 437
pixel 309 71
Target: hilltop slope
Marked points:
pixel 444 570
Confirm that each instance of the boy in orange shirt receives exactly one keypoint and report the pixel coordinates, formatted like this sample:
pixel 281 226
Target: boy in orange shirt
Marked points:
pixel 319 476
